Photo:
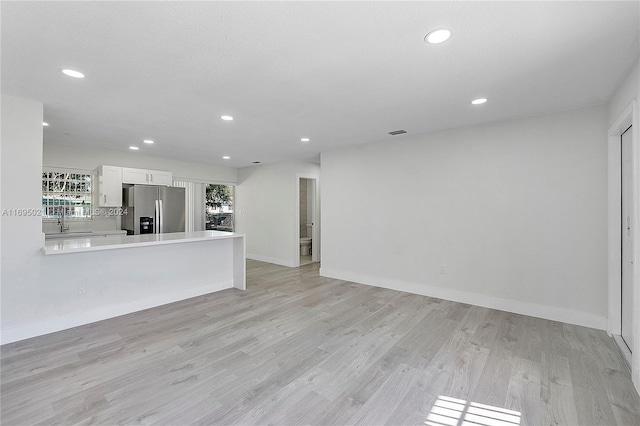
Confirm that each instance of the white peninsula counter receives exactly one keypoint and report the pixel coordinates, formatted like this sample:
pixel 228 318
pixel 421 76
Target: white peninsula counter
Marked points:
pixel 116 242
pixel 157 252
pixel 96 278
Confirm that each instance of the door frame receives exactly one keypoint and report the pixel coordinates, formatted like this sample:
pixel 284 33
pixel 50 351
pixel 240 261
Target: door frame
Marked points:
pixel 614 321
pixel 315 237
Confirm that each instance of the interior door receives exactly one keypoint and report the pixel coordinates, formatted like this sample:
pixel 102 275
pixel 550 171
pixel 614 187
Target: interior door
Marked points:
pixel 627 240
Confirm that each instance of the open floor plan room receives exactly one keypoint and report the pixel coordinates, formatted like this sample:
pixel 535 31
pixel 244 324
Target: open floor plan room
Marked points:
pixel 297 348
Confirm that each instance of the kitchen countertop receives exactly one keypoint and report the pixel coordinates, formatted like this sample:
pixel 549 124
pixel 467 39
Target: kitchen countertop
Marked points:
pixel 115 242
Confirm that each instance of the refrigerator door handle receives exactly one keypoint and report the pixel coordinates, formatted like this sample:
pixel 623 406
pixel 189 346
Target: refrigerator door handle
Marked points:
pixel 156 218
pixel 161 216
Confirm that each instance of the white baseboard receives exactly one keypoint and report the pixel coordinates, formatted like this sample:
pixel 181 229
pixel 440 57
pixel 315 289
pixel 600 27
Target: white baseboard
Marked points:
pixel 51 325
pixel 509 305
pixel 275 260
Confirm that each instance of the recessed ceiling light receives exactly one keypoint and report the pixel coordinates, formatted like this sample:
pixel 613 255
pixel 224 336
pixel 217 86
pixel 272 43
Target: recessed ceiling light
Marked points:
pixel 72 73
pixel 226 117
pixel 45 124
pixel 478 101
pixel 135 148
pixel 226 157
pixel 149 141
pixel 305 140
pixel 437 36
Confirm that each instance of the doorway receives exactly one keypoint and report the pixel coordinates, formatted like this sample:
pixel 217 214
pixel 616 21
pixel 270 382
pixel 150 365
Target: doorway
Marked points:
pixel 624 239
pixel 307 229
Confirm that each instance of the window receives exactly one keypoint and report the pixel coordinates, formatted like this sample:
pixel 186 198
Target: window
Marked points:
pixel 219 207
pixel 66 192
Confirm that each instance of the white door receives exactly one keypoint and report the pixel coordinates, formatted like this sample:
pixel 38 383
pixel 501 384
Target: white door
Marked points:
pixel 627 255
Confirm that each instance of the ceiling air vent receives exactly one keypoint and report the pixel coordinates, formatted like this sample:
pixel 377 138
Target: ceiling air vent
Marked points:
pixel 256 162
pixel 397 132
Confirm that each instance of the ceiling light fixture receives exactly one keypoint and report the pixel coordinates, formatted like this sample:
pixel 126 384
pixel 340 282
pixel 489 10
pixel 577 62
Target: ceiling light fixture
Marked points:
pixel 226 117
pixel 45 124
pixel 72 73
pixel 149 141
pixel 437 36
pixel 305 140
pixel 478 101
pixel 135 148
pixel 226 157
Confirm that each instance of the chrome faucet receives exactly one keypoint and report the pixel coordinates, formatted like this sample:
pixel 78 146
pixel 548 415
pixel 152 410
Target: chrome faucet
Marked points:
pixel 63 227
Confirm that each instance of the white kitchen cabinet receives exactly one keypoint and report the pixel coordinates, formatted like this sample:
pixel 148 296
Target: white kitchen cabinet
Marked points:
pixel 109 186
pixel 135 176
pixel 146 177
pixel 159 177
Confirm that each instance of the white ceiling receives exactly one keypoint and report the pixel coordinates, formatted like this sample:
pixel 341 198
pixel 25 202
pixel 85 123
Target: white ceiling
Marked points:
pixel 340 73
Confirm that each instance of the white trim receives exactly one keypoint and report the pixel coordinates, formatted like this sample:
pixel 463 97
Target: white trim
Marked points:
pixel 614 323
pixel 516 306
pixel 274 260
pixel 614 255
pixel 13 334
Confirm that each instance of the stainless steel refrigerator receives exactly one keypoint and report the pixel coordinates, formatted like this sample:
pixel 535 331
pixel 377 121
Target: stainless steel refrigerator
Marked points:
pixel 161 208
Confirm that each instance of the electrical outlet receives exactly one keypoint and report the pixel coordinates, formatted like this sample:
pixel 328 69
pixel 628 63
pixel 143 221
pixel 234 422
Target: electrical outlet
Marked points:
pixel 82 288
pixel 443 270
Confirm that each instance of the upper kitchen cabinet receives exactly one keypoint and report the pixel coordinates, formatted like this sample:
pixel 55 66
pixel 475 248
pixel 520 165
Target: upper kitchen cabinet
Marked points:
pixel 159 177
pixel 109 186
pixel 146 177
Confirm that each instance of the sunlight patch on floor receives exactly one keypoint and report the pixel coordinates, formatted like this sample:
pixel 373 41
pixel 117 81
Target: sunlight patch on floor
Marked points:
pixel 449 411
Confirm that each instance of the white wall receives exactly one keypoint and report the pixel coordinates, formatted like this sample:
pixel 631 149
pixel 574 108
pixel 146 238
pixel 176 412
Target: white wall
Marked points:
pixel 516 212
pixel 265 209
pixel 309 209
pixel 90 159
pixel 21 189
pixel 627 91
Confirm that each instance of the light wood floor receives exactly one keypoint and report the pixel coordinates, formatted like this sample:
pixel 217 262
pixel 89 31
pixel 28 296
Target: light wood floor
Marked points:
pixel 296 348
